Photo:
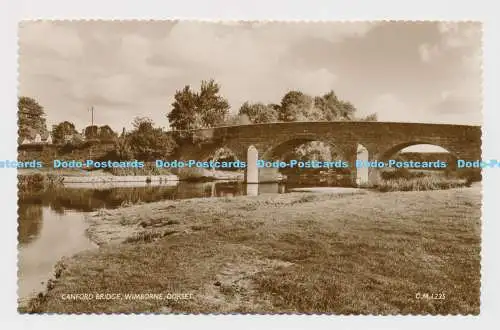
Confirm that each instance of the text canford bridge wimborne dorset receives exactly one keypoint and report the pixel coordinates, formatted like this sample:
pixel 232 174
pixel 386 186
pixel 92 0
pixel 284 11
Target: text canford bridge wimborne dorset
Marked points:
pixel 381 139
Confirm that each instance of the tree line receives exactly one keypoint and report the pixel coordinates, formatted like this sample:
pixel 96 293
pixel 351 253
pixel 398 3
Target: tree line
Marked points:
pixel 194 109
pixel 31 122
pixel 207 108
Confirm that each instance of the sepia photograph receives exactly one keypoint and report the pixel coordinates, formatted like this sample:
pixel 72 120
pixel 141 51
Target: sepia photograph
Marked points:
pixel 254 167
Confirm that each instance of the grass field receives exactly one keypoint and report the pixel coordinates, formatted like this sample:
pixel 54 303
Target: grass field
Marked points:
pixel 292 253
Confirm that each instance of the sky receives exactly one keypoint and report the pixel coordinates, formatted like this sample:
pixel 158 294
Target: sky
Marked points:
pixel 411 72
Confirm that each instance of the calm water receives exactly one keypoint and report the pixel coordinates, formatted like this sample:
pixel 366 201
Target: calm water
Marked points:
pixel 52 223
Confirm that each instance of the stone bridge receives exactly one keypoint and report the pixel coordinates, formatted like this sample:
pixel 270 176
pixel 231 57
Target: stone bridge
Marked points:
pixel 381 139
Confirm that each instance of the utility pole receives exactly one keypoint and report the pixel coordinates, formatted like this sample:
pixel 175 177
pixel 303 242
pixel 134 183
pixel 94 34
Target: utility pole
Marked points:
pixel 92 110
pixel 91 129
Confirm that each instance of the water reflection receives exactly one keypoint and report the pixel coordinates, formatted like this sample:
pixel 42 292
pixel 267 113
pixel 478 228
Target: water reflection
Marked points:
pixel 95 197
pixel 60 200
pixel 42 246
pixel 30 221
pixel 91 199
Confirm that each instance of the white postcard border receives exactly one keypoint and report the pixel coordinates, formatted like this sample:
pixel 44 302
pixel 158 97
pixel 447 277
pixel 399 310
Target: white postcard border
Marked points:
pixel 13 11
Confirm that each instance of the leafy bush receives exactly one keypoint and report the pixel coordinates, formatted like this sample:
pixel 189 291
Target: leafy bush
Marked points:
pixel 148 169
pixel 37 181
pixel 469 174
pixel 401 173
pixel 421 183
pixel 149 143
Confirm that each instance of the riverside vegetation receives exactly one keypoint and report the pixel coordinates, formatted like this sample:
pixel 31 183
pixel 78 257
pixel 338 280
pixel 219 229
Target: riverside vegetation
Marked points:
pixel 415 180
pixel 368 252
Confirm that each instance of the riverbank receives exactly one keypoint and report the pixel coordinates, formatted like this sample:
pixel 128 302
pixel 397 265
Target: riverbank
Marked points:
pixel 44 177
pixel 297 253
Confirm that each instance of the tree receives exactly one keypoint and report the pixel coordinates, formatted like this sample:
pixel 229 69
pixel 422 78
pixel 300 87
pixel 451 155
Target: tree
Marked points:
pixel 372 117
pixel 62 129
pixel 31 118
pixel 297 106
pixel 91 132
pixel 259 113
pixel 347 110
pixel 212 107
pixel 313 150
pixel 332 108
pixel 183 113
pixel 106 133
pixel 147 142
pixel 142 124
pixel 328 104
pixel 122 150
pixel 77 139
pixel 236 120
pixel 191 110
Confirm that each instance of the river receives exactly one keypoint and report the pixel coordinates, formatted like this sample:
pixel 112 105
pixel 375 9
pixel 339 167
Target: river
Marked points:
pixel 52 222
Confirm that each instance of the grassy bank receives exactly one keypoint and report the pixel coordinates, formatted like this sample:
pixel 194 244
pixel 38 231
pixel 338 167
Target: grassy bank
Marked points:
pixel 297 253
pixel 203 174
pixel 421 183
pixel 148 169
pixel 407 180
pixel 37 181
pixel 187 174
pixel 60 172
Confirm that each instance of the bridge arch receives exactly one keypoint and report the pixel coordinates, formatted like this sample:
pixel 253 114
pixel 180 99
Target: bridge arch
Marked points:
pixel 388 153
pixel 218 153
pixel 208 152
pixel 325 149
pixel 375 174
pixel 281 147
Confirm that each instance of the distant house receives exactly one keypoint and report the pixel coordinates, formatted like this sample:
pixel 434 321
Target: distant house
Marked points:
pixel 76 137
pixel 39 139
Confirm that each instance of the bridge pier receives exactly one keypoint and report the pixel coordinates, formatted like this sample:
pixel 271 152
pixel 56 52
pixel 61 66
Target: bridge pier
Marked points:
pixel 255 175
pixel 364 176
pixel 252 171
